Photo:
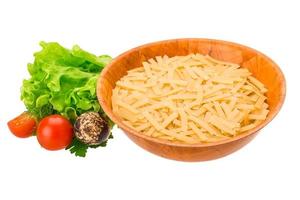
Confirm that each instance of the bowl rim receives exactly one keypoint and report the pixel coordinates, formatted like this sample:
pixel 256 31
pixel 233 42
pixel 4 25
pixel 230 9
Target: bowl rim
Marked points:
pixel 126 129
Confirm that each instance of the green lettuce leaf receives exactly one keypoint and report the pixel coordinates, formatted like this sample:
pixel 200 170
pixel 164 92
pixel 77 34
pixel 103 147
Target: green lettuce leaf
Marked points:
pixel 62 81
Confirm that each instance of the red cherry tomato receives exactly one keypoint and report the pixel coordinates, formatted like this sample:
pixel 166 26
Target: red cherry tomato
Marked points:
pixel 54 132
pixel 22 126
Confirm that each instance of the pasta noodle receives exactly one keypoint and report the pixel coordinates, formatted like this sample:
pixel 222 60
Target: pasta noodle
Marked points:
pixel 190 99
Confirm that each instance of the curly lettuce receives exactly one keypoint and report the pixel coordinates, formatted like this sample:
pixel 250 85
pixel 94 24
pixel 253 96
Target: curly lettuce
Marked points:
pixel 62 81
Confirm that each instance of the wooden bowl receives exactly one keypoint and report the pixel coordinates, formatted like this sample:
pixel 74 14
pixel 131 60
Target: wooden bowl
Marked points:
pixel 262 67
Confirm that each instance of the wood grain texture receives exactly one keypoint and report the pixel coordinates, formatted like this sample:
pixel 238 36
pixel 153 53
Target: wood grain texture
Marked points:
pixel 262 67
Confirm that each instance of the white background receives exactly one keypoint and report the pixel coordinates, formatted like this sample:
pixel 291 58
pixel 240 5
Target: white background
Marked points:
pixel 267 168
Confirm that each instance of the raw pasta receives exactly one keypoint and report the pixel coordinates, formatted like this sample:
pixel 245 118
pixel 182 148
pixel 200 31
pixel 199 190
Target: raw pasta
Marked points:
pixel 190 99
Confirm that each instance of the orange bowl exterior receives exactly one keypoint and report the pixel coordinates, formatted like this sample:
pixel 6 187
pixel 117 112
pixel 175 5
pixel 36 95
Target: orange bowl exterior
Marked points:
pixel 262 67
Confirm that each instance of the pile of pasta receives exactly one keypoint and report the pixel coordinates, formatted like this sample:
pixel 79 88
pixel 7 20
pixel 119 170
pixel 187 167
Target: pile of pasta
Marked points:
pixel 190 99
